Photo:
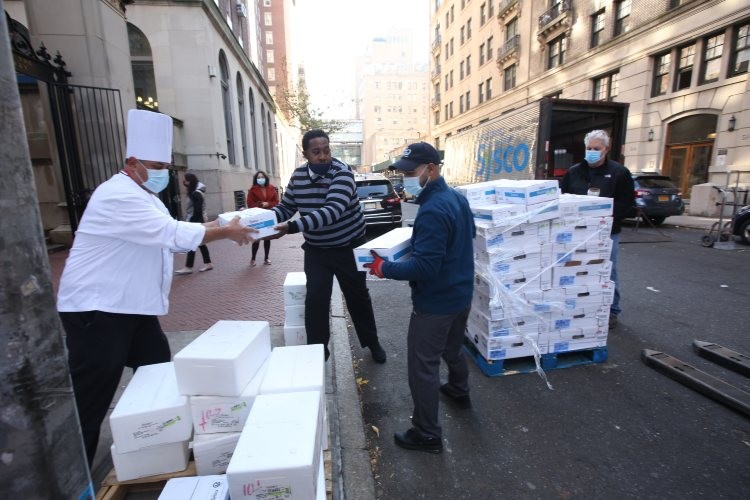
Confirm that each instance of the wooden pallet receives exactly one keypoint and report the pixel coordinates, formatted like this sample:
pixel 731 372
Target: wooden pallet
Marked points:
pixel 112 489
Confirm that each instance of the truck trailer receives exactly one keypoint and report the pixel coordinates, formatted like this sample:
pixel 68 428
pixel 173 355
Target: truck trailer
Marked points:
pixel 539 140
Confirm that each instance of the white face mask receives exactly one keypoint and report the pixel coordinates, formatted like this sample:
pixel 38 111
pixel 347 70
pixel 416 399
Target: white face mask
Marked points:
pixel 261 181
pixel 412 184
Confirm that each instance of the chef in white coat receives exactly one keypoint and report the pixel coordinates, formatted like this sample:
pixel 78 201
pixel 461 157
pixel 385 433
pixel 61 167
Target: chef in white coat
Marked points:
pixel 118 274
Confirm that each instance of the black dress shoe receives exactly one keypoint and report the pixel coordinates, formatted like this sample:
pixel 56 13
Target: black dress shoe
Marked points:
pixel 378 354
pixel 414 440
pixel 463 402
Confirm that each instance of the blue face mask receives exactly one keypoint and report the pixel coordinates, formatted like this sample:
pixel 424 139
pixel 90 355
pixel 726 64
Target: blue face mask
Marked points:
pixel 157 179
pixel 261 181
pixel 412 184
pixel 592 156
pixel 319 168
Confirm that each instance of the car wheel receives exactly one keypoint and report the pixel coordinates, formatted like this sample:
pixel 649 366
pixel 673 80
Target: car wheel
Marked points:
pixel 707 241
pixel 745 232
pixel 657 221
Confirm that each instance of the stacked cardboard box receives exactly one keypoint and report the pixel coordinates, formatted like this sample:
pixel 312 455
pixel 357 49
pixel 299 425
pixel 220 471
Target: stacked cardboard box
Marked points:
pixel 542 262
pixel 295 291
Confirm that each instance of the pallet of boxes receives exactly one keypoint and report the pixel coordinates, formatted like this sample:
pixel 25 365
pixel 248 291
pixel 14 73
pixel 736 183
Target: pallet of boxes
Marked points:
pixel 253 416
pixel 542 286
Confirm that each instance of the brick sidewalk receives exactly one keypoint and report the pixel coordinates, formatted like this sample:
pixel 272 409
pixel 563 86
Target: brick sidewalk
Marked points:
pixel 232 290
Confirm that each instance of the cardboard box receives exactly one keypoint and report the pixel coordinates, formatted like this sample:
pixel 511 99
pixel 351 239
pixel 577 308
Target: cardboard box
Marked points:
pixel 518 325
pixel 510 261
pixel 259 218
pixel 196 488
pixel 294 315
pixel 151 410
pixel 162 459
pixel 499 214
pixel 481 193
pixel 226 413
pixel 295 288
pixel 526 192
pixel 585 252
pixel 544 211
pixel 596 317
pixel 580 229
pixel 569 275
pixel 576 339
pixel 223 359
pixel 580 205
pixel 278 454
pixel 213 452
pixel 524 235
pixel 295 335
pixel 393 246
pixel 513 346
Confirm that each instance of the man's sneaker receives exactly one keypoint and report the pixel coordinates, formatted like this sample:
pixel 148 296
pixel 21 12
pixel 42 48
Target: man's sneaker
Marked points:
pixel 612 321
pixel 414 440
pixel 378 354
pixel 462 402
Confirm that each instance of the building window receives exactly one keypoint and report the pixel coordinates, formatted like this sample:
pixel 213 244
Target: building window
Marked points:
pixel 622 17
pixel 606 87
pixel 489 49
pixel 511 29
pixel 447 19
pixel 509 77
pixel 243 123
pixel 463 34
pixel 468 65
pixel 556 52
pixel 269 37
pixel 253 125
pixel 685 57
pixel 450 108
pixel 451 78
pixel 266 3
pixel 482 14
pixel 269 56
pixel 451 43
pixel 453 17
pixel 468 29
pixel 740 50
pixel 488 89
pixel 446 82
pixel 436 117
pixel 461 104
pixel 673 4
pixel 226 103
pixel 713 48
pixel 662 65
pixel 142 67
pixel 267 19
pixel 447 52
pixel 461 70
pixel 481 54
pixel 271 74
pixel 468 100
pixel 446 112
pixel 597 28
pixel 480 92
pixel 491 13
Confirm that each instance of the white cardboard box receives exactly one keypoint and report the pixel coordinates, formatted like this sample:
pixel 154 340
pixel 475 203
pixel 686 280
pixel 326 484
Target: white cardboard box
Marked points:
pixel 517 325
pixel 594 317
pixel 226 413
pixel 576 339
pixel 577 229
pixel 212 452
pixel 544 211
pixel 582 251
pixel 196 488
pixel 162 459
pixel 505 347
pixel 279 450
pixel 526 192
pixel 259 218
pixel 499 214
pixel 593 274
pixel 393 246
pixel 481 193
pixel 294 315
pixel 295 288
pixel 295 335
pixel 581 205
pixel 223 359
pixel 151 410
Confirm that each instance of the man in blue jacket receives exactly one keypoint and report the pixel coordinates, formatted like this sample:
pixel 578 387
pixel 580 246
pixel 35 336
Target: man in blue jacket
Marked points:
pixel 441 275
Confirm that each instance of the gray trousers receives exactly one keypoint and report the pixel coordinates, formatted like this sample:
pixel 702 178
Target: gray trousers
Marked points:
pixel 431 337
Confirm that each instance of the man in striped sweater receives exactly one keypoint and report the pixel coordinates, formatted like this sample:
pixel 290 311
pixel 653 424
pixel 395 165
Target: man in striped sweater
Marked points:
pixel 324 193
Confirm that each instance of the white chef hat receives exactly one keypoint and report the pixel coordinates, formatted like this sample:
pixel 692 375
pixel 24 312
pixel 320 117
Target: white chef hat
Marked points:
pixel 149 136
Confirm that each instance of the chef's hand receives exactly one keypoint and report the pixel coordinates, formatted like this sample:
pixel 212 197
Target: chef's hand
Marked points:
pixel 239 233
pixel 376 266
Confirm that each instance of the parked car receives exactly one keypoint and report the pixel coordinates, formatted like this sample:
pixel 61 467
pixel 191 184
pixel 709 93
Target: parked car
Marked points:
pixel 380 203
pixel 657 196
pixel 741 224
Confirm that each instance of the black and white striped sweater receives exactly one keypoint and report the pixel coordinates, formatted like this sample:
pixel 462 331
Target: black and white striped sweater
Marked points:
pixel 330 215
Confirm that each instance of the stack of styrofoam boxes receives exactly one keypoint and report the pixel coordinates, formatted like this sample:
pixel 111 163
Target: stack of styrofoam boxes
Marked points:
pixel 151 425
pixel 581 292
pixel 280 450
pixel 295 291
pixel 510 256
pixel 222 371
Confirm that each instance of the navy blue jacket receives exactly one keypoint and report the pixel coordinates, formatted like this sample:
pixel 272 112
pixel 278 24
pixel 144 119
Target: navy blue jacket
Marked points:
pixel 441 268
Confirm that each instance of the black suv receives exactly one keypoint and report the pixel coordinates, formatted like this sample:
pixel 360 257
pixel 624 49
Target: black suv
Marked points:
pixel 381 205
pixel 657 196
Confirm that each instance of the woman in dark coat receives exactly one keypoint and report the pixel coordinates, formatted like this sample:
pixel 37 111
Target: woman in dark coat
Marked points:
pixel 195 212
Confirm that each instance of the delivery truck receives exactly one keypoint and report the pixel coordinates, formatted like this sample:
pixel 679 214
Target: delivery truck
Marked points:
pixel 539 140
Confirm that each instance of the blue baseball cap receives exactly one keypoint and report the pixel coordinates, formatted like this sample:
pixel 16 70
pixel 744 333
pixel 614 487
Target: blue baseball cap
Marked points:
pixel 415 155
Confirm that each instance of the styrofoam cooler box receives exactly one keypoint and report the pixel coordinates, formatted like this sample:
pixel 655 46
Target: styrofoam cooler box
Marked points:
pixel 321 493
pixel 295 334
pixel 151 410
pixel 481 193
pixel 581 205
pixel 151 461
pixel 526 191
pixel 393 246
pixel 513 346
pixel 498 214
pixel 226 413
pixel 295 369
pixel 581 274
pixel 213 487
pixel 595 317
pixel 294 315
pixel 279 451
pixel 259 218
pixel 576 339
pixel 223 359
pixel 295 288
pixel 519 325
pixel 212 452
pixel 574 229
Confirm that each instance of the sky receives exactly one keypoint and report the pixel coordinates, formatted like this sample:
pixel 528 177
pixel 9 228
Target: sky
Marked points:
pixel 336 32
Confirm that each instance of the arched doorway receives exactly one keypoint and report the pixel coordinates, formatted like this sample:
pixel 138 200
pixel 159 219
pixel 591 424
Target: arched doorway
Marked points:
pixel 687 154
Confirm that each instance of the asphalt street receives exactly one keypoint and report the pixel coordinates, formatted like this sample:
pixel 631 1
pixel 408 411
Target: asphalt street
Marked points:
pixel 618 429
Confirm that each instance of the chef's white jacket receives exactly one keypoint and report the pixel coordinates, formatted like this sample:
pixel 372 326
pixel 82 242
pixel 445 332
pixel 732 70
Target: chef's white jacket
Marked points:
pixel 121 260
